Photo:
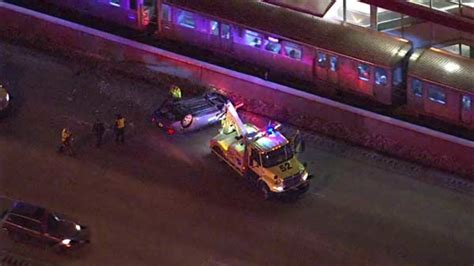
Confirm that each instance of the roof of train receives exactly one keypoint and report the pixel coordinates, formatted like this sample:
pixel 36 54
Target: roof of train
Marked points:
pixel 357 42
pixel 443 67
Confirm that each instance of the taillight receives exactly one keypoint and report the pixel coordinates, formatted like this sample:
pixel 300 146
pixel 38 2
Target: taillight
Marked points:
pixel 238 105
pixel 170 131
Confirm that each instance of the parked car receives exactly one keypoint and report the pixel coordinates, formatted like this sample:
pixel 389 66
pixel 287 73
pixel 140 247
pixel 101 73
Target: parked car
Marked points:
pixel 4 101
pixel 27 222
pixel 190 114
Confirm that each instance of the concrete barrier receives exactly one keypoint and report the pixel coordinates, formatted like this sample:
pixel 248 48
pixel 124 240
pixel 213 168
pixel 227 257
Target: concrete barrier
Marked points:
pixel 367 129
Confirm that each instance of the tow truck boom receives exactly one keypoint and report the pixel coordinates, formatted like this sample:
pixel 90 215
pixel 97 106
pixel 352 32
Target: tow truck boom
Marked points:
pixel 233 122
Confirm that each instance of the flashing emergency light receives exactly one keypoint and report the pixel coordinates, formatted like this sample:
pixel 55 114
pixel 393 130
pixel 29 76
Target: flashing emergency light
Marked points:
pixel 270 130
pixel 272 127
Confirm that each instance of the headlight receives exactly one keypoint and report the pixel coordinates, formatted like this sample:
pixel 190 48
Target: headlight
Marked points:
pixel 304 176
pixel 7 97
pixel 66 242
pixel 278 188
pixel 78 227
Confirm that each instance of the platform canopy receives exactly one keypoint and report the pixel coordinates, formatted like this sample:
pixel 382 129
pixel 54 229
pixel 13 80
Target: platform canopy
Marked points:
pixel 317 8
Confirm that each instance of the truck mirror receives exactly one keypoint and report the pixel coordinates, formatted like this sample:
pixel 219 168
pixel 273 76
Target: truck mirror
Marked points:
pixel 305 164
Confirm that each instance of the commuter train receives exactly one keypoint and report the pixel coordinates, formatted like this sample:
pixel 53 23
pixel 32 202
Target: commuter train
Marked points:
pixel 332 55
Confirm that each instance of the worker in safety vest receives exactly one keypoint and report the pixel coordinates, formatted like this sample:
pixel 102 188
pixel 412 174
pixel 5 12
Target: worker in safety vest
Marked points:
pixel 99 129
pixel 175 93
pixel 298 142
pixel 66 141
pixel 120 129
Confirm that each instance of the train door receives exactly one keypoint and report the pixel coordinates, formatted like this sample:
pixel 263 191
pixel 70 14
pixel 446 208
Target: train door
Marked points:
pixel 165 18
pixel 148 13
pixel 214 33
pixel 321 66
pixel 467 109
pixel 226 37
pixel 333 71
pixel 382 90
pixel 416 94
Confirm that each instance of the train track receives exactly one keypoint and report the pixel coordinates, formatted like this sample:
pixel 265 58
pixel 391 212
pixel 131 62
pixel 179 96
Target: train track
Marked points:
pixel 201 54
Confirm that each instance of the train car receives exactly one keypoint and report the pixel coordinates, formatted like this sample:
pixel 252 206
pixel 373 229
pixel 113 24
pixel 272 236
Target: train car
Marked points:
pixel 441 85
pixel 331 54
pixel 135 14
pixel 287 42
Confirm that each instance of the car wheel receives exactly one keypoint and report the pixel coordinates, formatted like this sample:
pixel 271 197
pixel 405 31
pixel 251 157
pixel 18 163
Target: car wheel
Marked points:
pixel 58 248
pixel 18 237
pixel 187 121
pixel 264 191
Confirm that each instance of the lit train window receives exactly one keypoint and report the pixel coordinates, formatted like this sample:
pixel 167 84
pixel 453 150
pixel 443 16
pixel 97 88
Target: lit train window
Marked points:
pixel 214 28
pixel 364 72
pixel 436 94
pixel 417 87
pixel 466 103
pixel 273 45
pixel 186 19
pixel 292 50
pixel 225 31
pixel 333 63
pixel 114 2
pixel 380 76
pixel 322 59
pixel 253 39
pixel 166 12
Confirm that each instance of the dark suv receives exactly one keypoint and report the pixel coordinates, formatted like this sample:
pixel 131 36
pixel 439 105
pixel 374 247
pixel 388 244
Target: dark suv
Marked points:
pixel 24 221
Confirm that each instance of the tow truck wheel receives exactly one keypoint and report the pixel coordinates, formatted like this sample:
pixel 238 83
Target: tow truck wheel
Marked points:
pixel 264 190
pixel 218 152
pixel 19 237
pixel 58 248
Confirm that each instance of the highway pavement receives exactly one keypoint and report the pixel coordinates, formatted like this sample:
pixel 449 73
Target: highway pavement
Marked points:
pixel 165 200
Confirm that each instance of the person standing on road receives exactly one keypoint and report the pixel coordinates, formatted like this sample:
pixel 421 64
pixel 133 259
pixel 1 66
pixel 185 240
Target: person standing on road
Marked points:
pixel 98 128
pixel 66 142
pixel 175 93
pixel 298 142
pixel 120 129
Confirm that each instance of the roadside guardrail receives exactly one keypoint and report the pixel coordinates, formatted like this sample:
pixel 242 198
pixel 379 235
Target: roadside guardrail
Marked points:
pixel 381 133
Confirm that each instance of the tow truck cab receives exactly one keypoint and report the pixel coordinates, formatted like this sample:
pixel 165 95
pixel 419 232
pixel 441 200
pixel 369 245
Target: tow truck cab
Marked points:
pixel 265 156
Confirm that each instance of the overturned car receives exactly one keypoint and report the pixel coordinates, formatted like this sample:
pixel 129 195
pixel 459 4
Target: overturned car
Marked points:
pixel 190 114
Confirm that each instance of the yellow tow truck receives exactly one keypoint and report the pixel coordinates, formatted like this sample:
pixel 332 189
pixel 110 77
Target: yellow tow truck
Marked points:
pixel 266 157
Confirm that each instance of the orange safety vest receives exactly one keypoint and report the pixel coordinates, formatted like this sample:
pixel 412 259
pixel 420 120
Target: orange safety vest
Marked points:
pixel 120 123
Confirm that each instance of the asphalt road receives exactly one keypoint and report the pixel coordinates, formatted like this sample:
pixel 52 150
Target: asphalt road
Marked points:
pixel 161 200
